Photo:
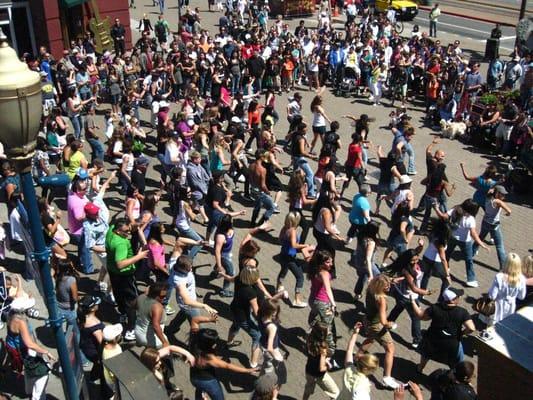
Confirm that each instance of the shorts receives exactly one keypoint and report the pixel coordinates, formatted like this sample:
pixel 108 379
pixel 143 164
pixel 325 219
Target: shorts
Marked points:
pixel 319 130
pixel 115 98
pixel 379 333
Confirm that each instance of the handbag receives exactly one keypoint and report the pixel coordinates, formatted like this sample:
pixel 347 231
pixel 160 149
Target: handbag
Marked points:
pixel 35 367
pixel 485 306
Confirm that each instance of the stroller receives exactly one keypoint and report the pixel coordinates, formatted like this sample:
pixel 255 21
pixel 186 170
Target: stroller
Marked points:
pixel 349 85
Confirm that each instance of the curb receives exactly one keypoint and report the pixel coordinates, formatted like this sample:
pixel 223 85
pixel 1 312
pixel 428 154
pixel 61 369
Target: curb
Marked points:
pixel 488 4
pixel 455 14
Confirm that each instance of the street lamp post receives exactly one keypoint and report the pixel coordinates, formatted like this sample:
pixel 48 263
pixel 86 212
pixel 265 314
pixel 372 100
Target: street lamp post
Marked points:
pixel 20 114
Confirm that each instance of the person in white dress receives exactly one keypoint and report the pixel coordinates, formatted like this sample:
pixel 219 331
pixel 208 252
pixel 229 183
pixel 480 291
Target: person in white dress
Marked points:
pixel 507 287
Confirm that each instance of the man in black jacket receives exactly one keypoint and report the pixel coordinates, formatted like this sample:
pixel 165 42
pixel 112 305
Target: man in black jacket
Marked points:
pixel 118 33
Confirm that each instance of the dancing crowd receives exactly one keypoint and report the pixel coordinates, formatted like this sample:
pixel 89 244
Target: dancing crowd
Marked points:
pixel 211 103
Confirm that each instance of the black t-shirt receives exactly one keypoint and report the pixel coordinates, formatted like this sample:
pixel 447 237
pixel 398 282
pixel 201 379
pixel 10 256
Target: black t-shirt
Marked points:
pixel 459 391
pixel 312 366
pixel 447 321
pixel 216 193
pixel 139 180
pixel 385 166
pixel 331 141
pixel 241 301
pixel 256 65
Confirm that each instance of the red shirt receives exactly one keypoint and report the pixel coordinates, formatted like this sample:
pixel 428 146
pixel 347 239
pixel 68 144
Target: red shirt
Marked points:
pixel 354 161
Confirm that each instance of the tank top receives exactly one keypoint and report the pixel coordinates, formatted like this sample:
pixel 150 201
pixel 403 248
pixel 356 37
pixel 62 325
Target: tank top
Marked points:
pixel 372 311
pixel 318 119
pixel 286 248
pixel 136 212
pixel 264 334
pixel 215 161
pixel 295 145
pixel 318 290
pixel 206 373
pixel 319 223
pixel 401 197
pixel 403 286
pixel 492 213
pixel 182 220
pixel 144 331
pixel 228 244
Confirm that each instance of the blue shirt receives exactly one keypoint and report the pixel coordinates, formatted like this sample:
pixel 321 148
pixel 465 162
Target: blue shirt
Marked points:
pixel 360 204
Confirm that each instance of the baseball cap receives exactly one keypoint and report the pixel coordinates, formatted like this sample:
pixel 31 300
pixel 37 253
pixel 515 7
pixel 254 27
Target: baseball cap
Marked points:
pixel 451 294
pixel 405 179
pixel 236 120
pixel 110 332
pixel 91 209
pixel 500 189
pixel 88 302
pixel 82 173
pixel 22 303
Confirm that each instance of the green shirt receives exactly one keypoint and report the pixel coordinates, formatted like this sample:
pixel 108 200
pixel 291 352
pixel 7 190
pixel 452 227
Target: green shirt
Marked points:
pixel 118 249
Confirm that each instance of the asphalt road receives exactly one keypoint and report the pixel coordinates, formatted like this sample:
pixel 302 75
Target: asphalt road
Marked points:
pixel 465 28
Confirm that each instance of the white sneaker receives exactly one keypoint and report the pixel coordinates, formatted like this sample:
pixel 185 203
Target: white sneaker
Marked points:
pixel 390 382
pixel 129 336
pixel 473 284
pixel 169 310
pixel 102 286
pixel 211 243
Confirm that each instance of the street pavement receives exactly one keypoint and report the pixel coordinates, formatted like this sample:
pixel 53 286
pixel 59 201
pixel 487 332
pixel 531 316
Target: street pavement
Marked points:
pixel 517 230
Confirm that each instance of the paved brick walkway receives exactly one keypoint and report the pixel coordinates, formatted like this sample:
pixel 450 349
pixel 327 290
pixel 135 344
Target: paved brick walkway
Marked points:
pixel 517 231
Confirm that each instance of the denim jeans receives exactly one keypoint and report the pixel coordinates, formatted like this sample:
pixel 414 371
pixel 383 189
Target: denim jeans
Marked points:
pixel 161 6
pixel 292 264
pixel 263 200
pixel 467 253
pixel 496 234
pixel 235 84
pixel 433 28
pixel 362 277
pixel 211 387
pixel 97 149
pixel 227 264
pixel 193 235
pixel 69 315
pixel 77 123
pixel 250 327
pixel 410 157
pixel 301 162
pixel 403 303
pixel 428 206
pixel 84 254
pixel 433 268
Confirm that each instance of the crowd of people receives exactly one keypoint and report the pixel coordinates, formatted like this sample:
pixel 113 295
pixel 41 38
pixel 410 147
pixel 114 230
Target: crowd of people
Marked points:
pixel 223 147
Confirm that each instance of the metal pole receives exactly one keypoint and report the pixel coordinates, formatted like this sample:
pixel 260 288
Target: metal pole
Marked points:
pixel 522 9
pixel 42 256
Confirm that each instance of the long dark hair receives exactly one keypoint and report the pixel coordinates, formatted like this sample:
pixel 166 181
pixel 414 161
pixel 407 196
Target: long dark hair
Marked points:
pixel 155 232
pixel 315 265
pixel 324 201
pixel 316 340
pixel 65 268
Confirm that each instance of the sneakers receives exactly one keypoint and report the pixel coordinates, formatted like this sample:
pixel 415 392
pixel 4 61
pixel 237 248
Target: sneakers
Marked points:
pixel 348 240
pixel 129 336
pixel 299 304
pixel 169 310
pixel 102 286
pixel 390 382
pixel 211 243
pixel 415 345
pixel 490 241
pixel 276 209
pixel 473 284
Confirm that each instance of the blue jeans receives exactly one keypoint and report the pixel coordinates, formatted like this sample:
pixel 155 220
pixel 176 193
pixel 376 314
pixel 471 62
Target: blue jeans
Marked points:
pixel 69 315
pixel 227 264
pixel 291 263
pixel 433 268
pixel 467 253
pixel 410 158
pixel 250 327
pixel 428 206
pixel 84 254
pixel 211 387
pixel 193 235
pixel 301 162
pixel 97 149
pixel 161 6
pixel 263 200
pixel 77 123
pixel 362 277
pixel 235 84
pixel 403 303
pixel 496 234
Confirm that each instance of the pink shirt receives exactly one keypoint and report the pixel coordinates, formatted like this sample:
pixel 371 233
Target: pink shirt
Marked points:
pixel 318 290
pixel 156 255
pixel 76 212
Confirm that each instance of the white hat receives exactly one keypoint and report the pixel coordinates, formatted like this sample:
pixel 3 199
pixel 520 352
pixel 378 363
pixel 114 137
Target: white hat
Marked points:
pixel 451 294
pixel 111 332
pixel 236 120
pixel 163 103
pixel 405 179
pixel 22 303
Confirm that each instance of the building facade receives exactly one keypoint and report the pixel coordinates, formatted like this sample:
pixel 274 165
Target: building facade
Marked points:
pixel 29 24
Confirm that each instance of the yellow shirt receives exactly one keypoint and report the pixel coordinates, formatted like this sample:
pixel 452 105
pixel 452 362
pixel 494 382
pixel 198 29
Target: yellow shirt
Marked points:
pixel 74 164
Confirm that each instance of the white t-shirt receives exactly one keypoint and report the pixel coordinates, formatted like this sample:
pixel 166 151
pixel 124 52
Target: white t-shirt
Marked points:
pixel 432 253
pixel 179 278
pixel 462 232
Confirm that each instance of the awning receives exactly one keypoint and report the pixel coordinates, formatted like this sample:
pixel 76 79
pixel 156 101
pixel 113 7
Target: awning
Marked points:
pixel 72 3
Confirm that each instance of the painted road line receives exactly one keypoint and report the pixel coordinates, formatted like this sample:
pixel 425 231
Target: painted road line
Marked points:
pixel 454 26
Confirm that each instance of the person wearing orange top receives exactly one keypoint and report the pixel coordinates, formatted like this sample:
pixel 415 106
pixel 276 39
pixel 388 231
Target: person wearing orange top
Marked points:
pixel 287 70
pixel 432 91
